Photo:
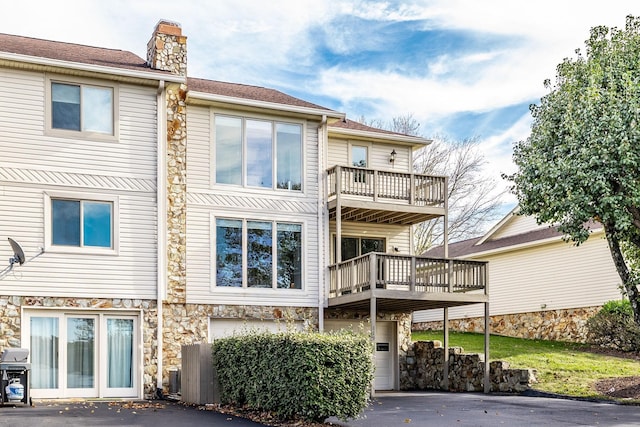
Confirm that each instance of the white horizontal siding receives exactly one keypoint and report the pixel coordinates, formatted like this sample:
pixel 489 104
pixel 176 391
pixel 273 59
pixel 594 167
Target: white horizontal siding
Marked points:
pixel 25 145
pixel 379 155
pixel 549 277
pixel 130 274
pixel 199 145
pixel 518 224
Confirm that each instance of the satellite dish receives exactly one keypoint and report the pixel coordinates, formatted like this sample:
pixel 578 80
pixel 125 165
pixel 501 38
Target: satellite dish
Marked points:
pixel 18 253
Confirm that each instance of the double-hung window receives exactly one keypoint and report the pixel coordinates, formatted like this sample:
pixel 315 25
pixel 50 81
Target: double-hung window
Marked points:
pixel 258 254
pixel 81 109
pixel 258 153
pixel 77 224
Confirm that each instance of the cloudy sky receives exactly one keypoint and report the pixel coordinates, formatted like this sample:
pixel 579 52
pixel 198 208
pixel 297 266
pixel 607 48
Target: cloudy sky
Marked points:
pixel 463 68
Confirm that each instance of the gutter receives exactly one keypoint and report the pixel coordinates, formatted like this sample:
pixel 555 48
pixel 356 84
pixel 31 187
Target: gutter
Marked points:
pixel 161 202
pixel 244 102
pixel 77 66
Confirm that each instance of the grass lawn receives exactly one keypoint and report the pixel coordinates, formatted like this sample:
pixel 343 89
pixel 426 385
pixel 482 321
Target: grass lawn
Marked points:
pixel 564 368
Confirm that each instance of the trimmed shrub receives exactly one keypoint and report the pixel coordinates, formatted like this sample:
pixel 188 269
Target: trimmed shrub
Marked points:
pixel 310 375
pixel 613 327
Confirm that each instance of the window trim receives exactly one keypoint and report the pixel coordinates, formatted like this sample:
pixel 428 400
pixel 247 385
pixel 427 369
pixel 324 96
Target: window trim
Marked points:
pixel 85 250
pixel 72 134
pixel 274 152
pixel 274 250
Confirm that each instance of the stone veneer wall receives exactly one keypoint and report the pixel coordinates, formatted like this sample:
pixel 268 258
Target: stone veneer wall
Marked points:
pixel 560 325
pixel 11 328
pixel 425 371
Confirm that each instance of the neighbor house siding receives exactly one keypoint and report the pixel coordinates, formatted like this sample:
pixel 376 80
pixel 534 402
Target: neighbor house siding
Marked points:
pixel 207 201
pixel 552 276
pixel 518 224
pixel 33 163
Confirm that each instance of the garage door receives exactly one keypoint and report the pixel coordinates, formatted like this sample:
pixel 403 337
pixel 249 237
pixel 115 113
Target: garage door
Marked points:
pixel 385 350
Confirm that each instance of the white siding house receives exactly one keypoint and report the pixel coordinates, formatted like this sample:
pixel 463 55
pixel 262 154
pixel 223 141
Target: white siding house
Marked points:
pixel 541 286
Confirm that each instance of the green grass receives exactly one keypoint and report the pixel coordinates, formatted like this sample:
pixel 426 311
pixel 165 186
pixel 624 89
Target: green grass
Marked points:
pixel 564 368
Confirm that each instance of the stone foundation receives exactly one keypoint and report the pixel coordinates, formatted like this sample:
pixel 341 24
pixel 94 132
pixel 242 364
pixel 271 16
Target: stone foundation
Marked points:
pixel 425 371
pixel 558 325
pixel 11 314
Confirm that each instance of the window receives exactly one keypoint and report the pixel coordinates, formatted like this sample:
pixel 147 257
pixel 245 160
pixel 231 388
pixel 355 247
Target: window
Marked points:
pixel 355 246
pixel 78 224
pixel 258 254
pixel 258 153
pixel 359 156
pixel 82 108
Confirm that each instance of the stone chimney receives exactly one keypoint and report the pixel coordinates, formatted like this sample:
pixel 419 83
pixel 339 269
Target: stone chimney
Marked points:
pixel 167 48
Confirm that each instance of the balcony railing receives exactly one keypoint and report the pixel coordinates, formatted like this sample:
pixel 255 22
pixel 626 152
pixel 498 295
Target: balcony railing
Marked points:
pixel 378 185
pixel 410 273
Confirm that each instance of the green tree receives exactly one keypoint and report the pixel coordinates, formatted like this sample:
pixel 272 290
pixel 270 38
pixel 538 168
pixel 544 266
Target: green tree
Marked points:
pixel 581 162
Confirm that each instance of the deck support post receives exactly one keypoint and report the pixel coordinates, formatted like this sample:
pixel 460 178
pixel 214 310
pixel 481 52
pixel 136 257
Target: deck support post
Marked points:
pixel 373 316
pixel 445 343
pixel 487 373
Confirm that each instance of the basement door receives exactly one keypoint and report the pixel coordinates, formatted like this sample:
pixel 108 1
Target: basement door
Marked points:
pixel 385 349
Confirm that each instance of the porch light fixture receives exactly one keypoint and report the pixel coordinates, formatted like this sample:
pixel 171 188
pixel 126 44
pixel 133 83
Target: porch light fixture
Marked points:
pixel 392 156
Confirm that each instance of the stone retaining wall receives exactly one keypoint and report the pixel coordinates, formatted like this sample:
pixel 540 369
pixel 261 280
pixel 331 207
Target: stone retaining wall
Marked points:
pixel 559 325
pixel 425 371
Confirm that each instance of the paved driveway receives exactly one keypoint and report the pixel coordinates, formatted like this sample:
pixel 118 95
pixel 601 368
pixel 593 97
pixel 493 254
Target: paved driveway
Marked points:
pixel 387 410
pixel 477 409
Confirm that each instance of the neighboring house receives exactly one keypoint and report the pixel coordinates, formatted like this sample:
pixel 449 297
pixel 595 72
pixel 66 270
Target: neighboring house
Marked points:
pixel 541 286
pixel 176 210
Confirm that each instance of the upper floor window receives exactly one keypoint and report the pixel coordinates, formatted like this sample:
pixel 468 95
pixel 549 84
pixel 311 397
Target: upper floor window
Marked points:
pixel 81 108
pixel 258 153
pixel 258 254
pixel 77 224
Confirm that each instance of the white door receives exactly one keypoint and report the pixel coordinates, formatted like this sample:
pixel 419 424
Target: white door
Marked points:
pixel 384 356
pixel 385 349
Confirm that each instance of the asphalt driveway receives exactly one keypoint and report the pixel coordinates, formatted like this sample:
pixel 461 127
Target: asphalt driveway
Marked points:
pixel 386 410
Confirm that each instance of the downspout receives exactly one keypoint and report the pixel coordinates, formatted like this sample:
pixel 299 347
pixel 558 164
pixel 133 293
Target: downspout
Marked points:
pixel 162 225
pixel 322 228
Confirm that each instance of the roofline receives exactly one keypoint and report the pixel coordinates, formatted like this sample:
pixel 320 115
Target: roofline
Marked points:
pixel 123 72
pixel 499 225
pixel 369 135
pixel 523 245
pixel 244 102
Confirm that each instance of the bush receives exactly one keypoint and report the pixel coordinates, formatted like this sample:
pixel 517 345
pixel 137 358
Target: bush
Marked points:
pixel 310 375
pixel 613 327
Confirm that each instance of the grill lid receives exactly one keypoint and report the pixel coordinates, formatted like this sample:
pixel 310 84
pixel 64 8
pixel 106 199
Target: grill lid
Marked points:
pixel 14 355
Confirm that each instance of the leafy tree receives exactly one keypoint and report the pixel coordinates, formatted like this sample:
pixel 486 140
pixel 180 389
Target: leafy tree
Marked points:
pixel 582 159
pixel 474 202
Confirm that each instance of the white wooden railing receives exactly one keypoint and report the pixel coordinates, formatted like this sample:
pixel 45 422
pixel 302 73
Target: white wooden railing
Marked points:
pixel 378 185
pixel 403 272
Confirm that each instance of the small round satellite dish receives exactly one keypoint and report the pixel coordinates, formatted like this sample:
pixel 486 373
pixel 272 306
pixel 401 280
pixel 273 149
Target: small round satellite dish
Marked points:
pixel 18 253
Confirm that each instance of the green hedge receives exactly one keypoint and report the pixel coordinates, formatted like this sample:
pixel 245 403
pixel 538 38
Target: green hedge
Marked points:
pixel 310 375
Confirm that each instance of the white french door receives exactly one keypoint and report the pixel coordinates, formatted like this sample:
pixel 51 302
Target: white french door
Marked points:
pixel 82 355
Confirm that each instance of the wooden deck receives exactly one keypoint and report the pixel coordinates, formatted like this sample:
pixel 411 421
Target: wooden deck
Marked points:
pixel 402 282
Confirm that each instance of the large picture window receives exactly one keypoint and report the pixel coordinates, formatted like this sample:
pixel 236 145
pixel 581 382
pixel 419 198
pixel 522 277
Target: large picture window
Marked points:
pixel 258 153
pixel 258 254
pixel 82 108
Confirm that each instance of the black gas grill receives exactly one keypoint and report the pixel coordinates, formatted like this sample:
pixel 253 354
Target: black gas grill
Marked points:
pixel 14 372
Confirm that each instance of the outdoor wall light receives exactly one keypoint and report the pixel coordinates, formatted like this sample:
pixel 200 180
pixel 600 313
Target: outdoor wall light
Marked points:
pixel 392 156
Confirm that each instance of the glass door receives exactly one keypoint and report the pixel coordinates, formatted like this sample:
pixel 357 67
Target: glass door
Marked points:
pixel 81 356
pixel 120 357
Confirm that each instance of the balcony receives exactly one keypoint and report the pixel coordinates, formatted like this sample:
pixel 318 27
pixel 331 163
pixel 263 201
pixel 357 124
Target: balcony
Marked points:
pixel 384 197
pixel 406 283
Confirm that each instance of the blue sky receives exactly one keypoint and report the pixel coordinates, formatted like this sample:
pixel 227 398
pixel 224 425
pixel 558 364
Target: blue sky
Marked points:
pixel 463 68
